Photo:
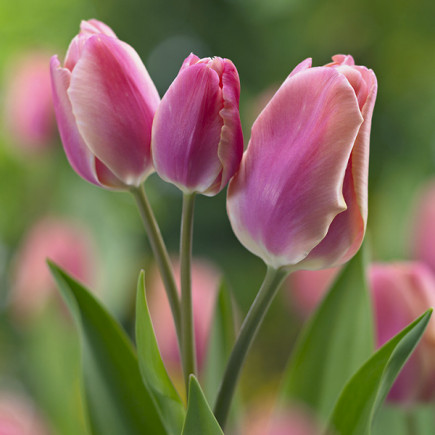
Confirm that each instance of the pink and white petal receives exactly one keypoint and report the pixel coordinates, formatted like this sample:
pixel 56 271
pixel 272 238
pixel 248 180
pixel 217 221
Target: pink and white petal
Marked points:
pixel 187 128
pixel 230 148
pixel 114 101
pixel 107 178
pixel 94 27
pixel 289 188
pixel 305 64
pixel 80 157
pixel 344 236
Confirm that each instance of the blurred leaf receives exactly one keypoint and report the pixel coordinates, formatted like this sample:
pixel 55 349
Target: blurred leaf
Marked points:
pixel 199 418
pixel 365 392
pixel 222 335
pixel 117 399
pixel 52 368
pixel 152 368
pixel 334 344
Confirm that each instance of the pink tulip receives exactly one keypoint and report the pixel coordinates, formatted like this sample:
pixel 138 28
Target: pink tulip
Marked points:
pixel 197 140
pixel 29 112
pixel 205 282
pixel 18 417
pixel 300 197
pixel 63 242
pixel 402 292
pixel 104 102
pixel 423 243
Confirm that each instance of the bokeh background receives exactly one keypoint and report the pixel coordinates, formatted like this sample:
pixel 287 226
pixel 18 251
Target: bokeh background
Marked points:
pixel 265 40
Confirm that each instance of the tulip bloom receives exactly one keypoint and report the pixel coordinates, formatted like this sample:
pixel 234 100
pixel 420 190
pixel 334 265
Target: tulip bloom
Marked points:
pixel 197 140
pixel 63 242
pixel 423 242
pixel 205 282
pixel 299 199
pixel 28 104
pixel 401 292
pixel 104 102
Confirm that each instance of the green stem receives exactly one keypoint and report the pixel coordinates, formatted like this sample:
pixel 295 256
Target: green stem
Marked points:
pixel 248 331
pixel 411 422
pixel 187 328
pixel 160 254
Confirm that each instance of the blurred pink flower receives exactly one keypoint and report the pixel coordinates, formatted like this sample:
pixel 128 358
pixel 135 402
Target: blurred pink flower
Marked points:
pixel 307 287
pixel 423 234
pixel 67 244
pixel 292 421
pixel 402 292
pixel 18 417
pixel 29 113
pixel 205 282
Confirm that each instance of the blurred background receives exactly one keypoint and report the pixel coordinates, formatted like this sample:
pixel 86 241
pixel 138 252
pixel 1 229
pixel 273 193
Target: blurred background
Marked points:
pixel 265 40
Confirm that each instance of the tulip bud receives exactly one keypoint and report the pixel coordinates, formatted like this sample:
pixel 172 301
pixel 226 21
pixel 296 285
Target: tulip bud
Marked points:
pixel 29 112
pixel 299 199
pixel 402 292
pixel 65 243
pixel 205 281
pixel 104 102
pixel 423 243
pixel 197 140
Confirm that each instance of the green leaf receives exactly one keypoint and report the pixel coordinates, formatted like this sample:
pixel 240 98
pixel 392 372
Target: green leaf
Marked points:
pixel 335 342
pixel 118 401
pixel 152 368
pixel 222 336
pixel 365 392
pixel 199 418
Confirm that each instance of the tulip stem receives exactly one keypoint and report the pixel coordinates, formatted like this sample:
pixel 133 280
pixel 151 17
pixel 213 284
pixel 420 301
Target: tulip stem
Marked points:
pixel 248 331
pixel 188 334
pixel 160 254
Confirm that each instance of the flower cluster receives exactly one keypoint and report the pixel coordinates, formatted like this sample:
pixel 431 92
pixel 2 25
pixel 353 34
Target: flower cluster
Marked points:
pixel 299 195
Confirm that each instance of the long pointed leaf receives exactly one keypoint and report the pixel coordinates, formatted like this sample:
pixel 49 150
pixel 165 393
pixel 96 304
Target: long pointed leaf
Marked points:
pixel 364 394
pixel 334 344
pixel 199 418
pixel 152 368
pixel 118 401
pixel 222 336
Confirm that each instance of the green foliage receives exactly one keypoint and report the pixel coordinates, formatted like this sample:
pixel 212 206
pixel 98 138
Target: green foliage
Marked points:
pixel 118 401
pixel 335 342
pixel 152 368
pixel 222 336
pixel 199 418
pixel 365 392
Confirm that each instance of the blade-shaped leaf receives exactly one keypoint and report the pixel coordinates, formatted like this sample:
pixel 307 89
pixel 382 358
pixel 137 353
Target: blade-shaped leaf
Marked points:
pixel 365 392
pixel 199 418
pixel 335 342
pixel 118 401
pixel 222 336
pixel 152 368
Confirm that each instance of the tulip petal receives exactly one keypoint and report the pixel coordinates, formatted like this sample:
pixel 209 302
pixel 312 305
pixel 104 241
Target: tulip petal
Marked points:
pixel 230 148
pixel 187 129
pixel 114 100
pixel 282 202
pixel 79 156
pixel 305 64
